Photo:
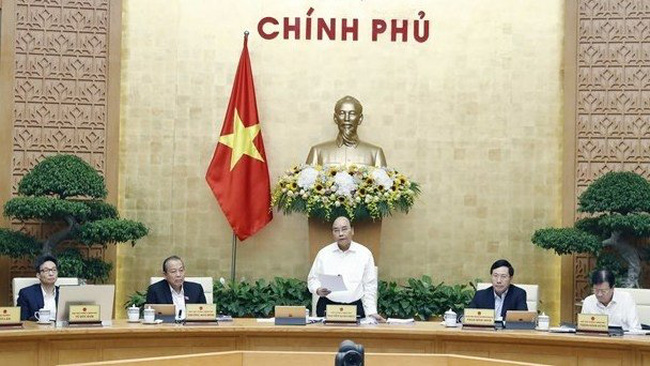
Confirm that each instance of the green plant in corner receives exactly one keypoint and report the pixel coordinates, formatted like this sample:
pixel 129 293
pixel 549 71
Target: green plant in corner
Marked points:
pixel 65 191
pixel 618 209
pixel 609 258
pixel 73 264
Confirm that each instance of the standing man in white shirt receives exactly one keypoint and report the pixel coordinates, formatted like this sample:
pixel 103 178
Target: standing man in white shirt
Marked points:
pixel 174 289
pixel 43 295
pixel 618 305
pixel 355 264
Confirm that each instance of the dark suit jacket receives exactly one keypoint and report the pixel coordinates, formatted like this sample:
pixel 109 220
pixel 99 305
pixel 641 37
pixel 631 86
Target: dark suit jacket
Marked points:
pixel 159 293
pixel 515 300
pixel 30 300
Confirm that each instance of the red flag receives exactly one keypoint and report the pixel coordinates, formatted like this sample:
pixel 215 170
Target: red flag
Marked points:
pixel 238 174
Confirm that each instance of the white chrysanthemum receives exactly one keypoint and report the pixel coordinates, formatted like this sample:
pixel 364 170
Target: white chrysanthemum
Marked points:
pixel 381 177
pixel 345 184
pixel 307 177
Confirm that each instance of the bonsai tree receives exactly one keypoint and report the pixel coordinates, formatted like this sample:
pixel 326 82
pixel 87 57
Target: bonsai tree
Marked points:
pixel 66 192
pixel 617 208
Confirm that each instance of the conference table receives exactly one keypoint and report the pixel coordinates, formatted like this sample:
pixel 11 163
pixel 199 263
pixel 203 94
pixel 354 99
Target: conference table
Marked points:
pixel 47 345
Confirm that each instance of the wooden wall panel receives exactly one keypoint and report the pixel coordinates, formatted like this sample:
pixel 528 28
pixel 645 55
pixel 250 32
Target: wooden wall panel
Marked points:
pixel 60 76
pixel 607 79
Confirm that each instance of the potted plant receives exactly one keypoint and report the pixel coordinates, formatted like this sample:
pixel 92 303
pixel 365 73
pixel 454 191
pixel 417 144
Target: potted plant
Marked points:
pixel 65 192
pixel 617 216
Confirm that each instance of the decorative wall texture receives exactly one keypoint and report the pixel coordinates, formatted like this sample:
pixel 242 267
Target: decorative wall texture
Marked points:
pixel 474 115
pixel 61 92
pixel 612 111
pixel 452 93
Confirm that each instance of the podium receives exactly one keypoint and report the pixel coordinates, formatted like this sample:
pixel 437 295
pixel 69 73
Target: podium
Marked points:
pixel 367 233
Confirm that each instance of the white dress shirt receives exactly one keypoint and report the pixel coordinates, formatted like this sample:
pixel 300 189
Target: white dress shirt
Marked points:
pixel 498 304
pixel 49 302
pixel 179 301
pixel 621 310
pixel 357 267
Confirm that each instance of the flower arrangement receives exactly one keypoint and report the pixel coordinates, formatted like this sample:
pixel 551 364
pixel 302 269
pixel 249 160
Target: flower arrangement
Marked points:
pixel 358 192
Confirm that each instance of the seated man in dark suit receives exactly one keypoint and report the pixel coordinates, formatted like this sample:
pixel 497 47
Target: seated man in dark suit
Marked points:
pixel 502 295
pixel 174 289
pixel 43 295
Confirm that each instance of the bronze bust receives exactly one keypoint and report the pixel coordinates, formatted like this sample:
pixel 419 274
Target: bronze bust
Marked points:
pixel 347 149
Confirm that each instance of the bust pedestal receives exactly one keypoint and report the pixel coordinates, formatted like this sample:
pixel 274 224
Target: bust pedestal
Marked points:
pixel 367 233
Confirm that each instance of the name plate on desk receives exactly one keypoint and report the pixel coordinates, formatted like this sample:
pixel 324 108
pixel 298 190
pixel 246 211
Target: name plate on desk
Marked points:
pixel 341 314
pixel 85 314
pixel 10 315
pixel 201 312
pixel 290 315
pixel 520 319
pixel 478 318
pixel 595 323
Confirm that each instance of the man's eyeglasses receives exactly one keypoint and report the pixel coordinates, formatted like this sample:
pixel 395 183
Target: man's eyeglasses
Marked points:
pixel 602 292
pixel 496 276
pixel 49 270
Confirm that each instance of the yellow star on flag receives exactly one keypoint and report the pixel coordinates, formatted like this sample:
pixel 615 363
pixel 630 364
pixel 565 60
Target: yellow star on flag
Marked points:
pixel 241 141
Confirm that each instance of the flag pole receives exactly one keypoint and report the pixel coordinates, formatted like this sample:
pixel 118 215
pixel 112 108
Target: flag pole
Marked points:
pixel 251 176
pixel 233 260
pixel 233 265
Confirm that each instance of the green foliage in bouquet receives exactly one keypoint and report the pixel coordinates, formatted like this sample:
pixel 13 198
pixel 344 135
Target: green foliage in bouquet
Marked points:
pixel 357 192
pixel 65 191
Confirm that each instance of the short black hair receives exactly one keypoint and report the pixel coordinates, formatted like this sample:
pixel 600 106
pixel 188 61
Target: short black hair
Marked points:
pixel 170 258
pixel 601 276
pixel 42 259
pixel 503 263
